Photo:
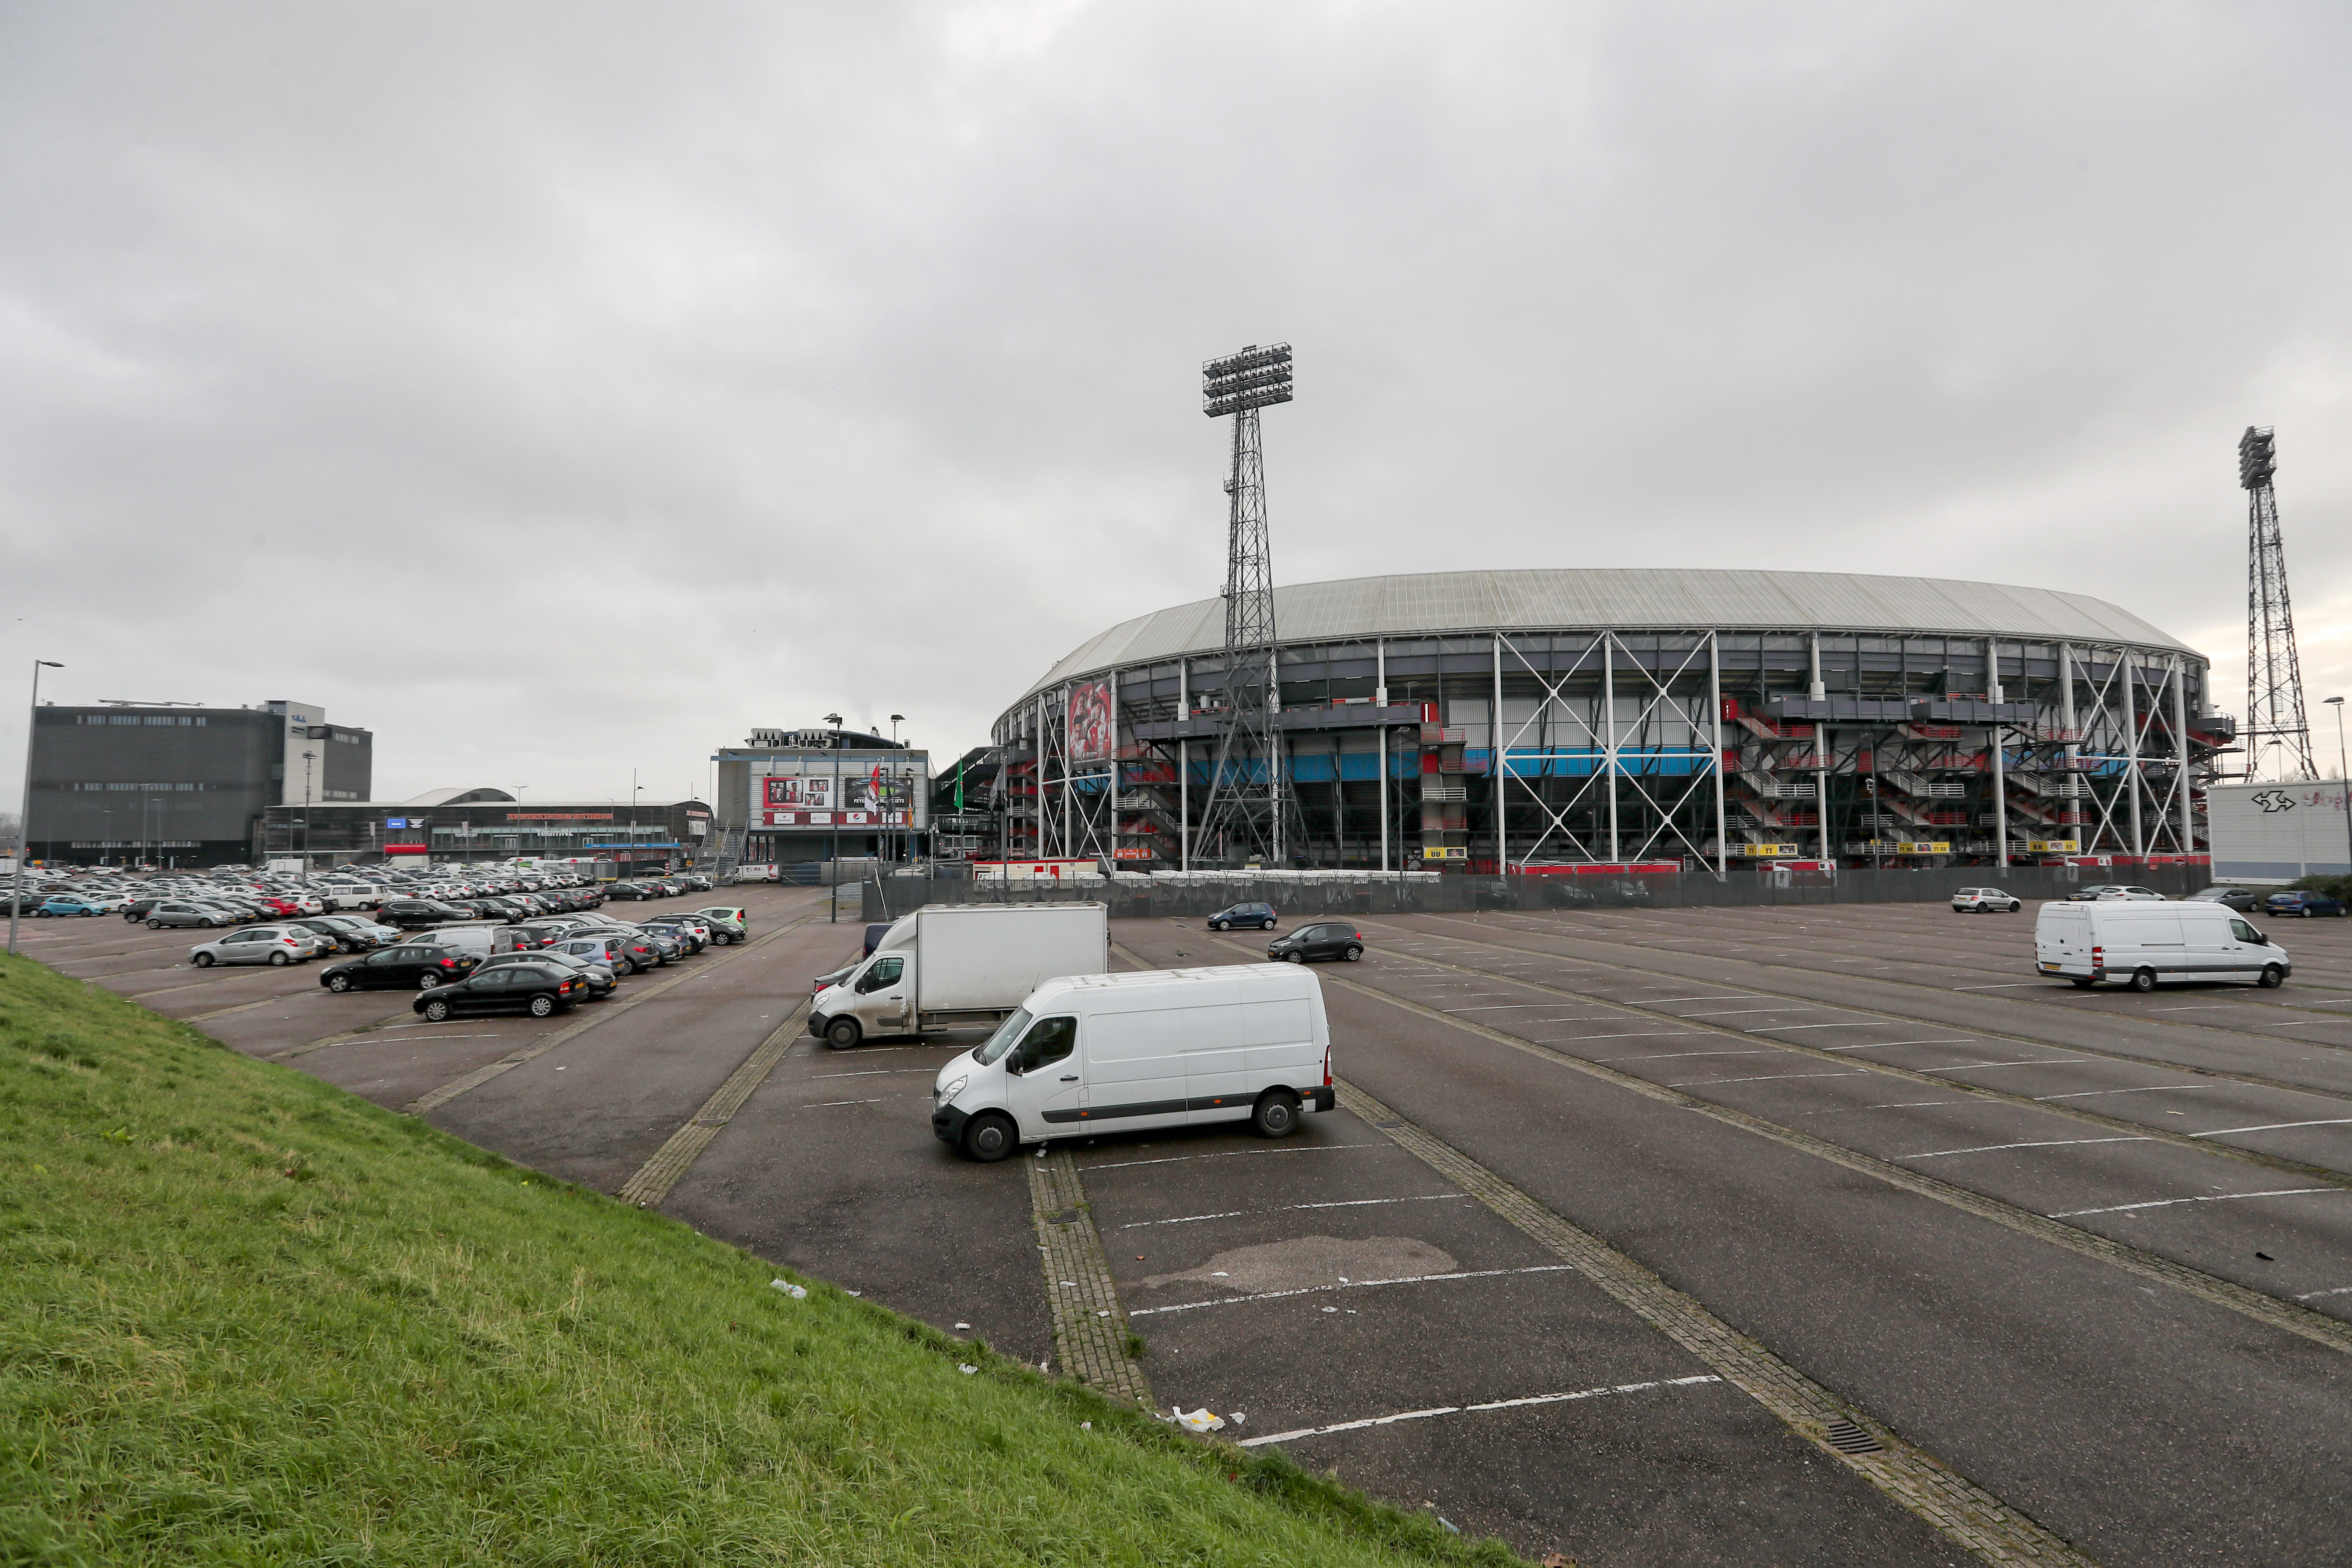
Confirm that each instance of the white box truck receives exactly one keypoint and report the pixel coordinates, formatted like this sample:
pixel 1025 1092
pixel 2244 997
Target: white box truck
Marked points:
pixel 2145 944
pixel 959 966
pixel 1096 1053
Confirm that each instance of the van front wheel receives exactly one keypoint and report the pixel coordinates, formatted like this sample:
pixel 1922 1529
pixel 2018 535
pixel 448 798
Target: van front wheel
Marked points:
pixel 1276 1115
pixel 991 1136
pixel 2143 980
pixel 841 1033
pixel 2273 977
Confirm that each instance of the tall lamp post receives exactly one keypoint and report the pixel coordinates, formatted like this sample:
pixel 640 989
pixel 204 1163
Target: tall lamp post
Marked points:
pixel 2345 776
pixel 896 720
pixel 24 813
pixel 306 816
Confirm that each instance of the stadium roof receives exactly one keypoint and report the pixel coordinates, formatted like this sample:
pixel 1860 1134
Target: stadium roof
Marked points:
pixel 1424 603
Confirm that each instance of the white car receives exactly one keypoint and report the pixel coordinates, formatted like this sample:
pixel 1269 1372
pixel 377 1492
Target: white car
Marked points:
pixel 256 945
pixel 1984 901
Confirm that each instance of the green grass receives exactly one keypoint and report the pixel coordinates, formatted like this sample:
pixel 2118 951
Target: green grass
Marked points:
pixel 247 1318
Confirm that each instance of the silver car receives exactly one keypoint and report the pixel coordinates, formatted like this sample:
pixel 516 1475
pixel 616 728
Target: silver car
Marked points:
pixel 186 912
pixel 258 945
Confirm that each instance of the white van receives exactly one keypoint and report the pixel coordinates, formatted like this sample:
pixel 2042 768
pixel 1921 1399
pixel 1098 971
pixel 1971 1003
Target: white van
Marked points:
pixel 1125 1052
pixel 2145 945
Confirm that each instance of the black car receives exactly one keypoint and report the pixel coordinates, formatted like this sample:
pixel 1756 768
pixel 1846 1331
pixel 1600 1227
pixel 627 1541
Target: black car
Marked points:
pixel 599 979
pixel 627 891
pixel 1312 944
pixel 1262 916
pixel 536 989
pixel 405 967
pixel 416 914
pixel 345 941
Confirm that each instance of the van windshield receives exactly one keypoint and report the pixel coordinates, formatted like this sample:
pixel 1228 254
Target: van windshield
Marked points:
pixel 1001 1041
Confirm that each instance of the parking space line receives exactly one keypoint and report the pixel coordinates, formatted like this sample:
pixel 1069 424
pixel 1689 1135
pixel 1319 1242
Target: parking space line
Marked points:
pixel 1348 1285
pixel 1997 1148
pixel 1287 1209
pixel 1994 1530
pixel 2274 1127
pixel 2209 1198
pixel 1231 1153
pixel 1470 1409
pixel 1769 1078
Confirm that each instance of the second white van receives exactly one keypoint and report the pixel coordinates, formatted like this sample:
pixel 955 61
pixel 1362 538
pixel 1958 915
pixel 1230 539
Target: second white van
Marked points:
pixel 2145 945
pixel 1094 1053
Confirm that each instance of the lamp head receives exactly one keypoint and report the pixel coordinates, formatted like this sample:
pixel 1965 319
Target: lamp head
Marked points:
pixel 48 664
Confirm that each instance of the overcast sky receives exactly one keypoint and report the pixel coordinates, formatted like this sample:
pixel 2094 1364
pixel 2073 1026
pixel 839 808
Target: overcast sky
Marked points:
pixel 564 390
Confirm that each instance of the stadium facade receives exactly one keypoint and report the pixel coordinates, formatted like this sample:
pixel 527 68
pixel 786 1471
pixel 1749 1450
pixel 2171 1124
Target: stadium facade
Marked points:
pixel 1532 720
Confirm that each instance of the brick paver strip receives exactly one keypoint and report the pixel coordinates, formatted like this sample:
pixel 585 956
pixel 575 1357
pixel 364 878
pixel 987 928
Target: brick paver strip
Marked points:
pixel 1954 1505
pixel 2302 1321
pixel 1089 1325
pixel 513 1060
pixel 658 1175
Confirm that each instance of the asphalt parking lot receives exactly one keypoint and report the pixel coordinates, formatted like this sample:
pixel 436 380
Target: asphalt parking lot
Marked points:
pixel 2090 1253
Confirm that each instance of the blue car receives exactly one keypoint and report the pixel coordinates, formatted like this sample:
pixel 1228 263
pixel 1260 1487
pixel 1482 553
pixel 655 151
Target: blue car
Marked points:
pixel 69 904
pixel 2305 904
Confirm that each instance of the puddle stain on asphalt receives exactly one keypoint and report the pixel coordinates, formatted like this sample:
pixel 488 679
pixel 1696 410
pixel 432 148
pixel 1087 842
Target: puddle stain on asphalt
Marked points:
pixel 1309 1260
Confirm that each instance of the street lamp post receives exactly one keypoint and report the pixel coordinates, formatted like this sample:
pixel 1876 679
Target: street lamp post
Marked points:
pixel 2344 777
pixel 306 816
pixel 25 811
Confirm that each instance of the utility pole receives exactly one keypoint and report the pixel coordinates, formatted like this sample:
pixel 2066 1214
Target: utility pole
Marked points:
pixel 25 812
pixel 2343 778
pixel 306 816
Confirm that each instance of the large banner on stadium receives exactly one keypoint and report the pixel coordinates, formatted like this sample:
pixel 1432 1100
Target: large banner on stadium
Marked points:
pixel 1090 722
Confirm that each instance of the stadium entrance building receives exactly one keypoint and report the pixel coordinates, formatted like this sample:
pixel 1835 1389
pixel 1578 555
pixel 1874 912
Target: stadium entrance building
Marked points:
pixel 1527 720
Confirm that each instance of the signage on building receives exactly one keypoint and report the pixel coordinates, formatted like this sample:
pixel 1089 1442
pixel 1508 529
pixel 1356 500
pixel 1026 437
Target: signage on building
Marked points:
pixel 1769 851
pixel 399 822
pixel 1445 852
pixel 1089 721
pixel 408 849
pixel 556 816
pixel 2052 845
pixel 1134 852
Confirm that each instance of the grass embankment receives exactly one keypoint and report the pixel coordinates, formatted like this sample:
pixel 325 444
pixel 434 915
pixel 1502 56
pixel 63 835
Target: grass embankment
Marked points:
pixel 246 1317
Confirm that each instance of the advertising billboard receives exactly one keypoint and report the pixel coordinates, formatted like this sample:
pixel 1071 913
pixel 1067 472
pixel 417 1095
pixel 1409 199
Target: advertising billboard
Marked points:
pixel 1090 722
pixel 795 792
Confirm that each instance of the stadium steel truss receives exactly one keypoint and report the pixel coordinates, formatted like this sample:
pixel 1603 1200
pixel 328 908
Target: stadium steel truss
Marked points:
pixel 1520 719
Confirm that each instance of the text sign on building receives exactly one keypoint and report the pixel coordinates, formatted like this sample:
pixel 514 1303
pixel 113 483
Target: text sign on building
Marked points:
pixel 558 816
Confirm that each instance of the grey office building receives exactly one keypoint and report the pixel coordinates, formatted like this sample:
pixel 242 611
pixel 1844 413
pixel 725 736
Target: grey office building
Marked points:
pixel 182 785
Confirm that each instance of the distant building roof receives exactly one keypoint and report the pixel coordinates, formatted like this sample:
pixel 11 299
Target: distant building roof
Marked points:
pixel 457 796
pixel 1426 603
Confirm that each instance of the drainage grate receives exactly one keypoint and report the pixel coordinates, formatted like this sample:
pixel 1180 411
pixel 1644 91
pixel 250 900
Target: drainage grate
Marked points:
pixel 1848 1438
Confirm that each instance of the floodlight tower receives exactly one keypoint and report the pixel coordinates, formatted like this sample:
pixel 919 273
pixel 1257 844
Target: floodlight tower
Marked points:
pixel 2277 736
pixel 1248 810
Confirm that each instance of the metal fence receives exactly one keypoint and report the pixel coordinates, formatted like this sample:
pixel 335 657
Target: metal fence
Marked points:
pixel 1306 896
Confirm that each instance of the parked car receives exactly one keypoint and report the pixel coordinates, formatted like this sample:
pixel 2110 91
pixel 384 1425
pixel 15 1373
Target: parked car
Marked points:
pixel 826 982
pixel 2112 891
pixel 1985 901
pixel 276 945
pixel 601 980
pixel 728 927
pixel 874 932
pixel 337 937
pixel 629 952
pixel 415 914
pixel 685 928
pixel 1315 944
pixel 181 912
pixel 2238 898
pixel 404 966
pixel 626 890
pixel 375 935
pixel 536 989
pixel 1242 915
pixel 57 906
pixel 2304 904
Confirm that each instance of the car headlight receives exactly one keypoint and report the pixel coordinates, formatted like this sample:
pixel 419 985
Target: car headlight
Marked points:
pixel 949 1091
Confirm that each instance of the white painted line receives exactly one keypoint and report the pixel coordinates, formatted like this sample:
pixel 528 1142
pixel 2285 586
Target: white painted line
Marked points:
pixel 2036 1062
pixel 1736 1012
pixel 2212 1198
pixel 1465 1409
pixel 2316 1295
pixel 1352 1285
pixel 1628 1034
pixel 2273 1126
pixel 1907 1104
pixel 1889 1044
pixel 1996 1148
pixel 829 1104
pixel 1791 1028
pixel 1678 1055
pixel 2297 1023
pixel 2004 985
pixel 1286 1208
pixel 865 1073
pixel 1498 1007
pixel 1230 1154
pixel 1772 1077
pixel 2158 1088
pixel 1660 1001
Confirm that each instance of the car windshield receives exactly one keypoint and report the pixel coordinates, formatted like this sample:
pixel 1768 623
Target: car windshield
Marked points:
pixel 1001 1041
